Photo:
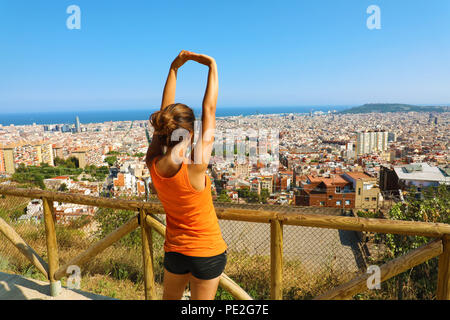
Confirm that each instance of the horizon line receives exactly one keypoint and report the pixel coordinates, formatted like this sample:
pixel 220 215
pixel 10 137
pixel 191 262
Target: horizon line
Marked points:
pixel 222 107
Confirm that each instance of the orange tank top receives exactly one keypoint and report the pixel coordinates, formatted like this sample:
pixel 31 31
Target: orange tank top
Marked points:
pixel 192 226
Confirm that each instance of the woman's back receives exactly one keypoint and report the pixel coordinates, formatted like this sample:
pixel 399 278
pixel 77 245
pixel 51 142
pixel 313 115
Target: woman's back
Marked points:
pixel 192 225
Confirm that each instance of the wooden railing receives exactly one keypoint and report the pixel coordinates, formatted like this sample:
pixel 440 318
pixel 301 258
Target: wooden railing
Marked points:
pixel 440 247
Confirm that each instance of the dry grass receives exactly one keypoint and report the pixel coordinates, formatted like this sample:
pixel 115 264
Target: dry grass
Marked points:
pixel 117 272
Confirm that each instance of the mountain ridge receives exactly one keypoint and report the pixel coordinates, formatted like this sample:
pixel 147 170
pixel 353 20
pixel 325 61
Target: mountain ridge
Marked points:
pixel 394 107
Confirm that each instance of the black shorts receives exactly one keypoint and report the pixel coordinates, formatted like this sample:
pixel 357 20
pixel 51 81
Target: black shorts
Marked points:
pixel 204 268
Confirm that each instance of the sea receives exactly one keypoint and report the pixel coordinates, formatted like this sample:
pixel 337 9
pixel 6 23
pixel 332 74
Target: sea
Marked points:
pixel 127 114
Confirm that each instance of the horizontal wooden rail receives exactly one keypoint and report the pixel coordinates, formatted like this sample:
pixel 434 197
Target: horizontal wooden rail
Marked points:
pixel 412 228
pixel 23 247
pixel 225 282
pixel 246 215
pixel 118 204
pixel 388 270
pixel 98 247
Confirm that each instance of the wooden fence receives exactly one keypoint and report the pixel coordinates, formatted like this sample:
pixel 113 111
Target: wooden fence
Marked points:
pixel 440 247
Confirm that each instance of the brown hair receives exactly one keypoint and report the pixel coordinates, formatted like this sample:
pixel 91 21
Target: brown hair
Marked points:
pixel 172 117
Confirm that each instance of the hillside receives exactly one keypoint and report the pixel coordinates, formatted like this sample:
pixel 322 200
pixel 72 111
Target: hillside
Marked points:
pixel 394 107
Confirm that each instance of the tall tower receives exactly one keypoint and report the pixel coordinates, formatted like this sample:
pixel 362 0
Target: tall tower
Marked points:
pixel 77 125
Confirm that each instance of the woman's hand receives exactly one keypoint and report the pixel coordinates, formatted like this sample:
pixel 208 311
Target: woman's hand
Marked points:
pixel 185 56
pixel 181 59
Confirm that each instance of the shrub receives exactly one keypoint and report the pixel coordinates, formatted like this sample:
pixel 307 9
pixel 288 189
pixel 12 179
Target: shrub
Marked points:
pixel 110 220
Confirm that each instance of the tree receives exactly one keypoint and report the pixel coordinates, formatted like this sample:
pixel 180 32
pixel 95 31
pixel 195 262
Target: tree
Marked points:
pixel 71 162
pixel 39 181
pixel 223 196
pixel 111 160
pixel 63 187
pixel 139 155
pixel 251 196
pixel 264 195
pixel 244 192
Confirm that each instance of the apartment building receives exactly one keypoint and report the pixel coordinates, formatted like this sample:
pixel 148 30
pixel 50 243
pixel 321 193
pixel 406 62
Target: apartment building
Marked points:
pixel 8 158
pixel 241 170
pixel 335 192
pixel 47 154
pixel 267 183
pixel 81 156
pixel 371 141
pixel 367 192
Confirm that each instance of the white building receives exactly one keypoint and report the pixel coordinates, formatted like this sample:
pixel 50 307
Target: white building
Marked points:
pixel 421 175
pixel 371 141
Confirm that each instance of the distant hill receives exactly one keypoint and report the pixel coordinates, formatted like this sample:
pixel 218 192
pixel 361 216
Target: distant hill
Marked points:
pixel 393 107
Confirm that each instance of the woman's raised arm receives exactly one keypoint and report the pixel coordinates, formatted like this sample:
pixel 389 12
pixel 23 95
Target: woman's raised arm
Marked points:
pixel 168 98
pixel 203 151
pixel 171 82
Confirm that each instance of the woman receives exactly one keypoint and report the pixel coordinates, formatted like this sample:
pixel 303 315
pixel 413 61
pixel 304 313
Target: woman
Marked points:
pixel 195 251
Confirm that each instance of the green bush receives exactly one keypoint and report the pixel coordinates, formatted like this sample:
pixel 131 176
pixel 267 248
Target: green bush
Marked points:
pixel 110 220
pixel 419 282
pixel 368 214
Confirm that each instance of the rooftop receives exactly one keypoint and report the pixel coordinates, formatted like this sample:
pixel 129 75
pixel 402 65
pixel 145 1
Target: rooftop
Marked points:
pixel 421 171
pixel 359 175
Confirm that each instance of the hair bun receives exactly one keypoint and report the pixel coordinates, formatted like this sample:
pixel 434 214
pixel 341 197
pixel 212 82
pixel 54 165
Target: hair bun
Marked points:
pixel 169 119
pixel 163 122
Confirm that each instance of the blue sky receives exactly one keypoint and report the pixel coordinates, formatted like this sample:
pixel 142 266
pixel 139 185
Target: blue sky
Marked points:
pixel 269 53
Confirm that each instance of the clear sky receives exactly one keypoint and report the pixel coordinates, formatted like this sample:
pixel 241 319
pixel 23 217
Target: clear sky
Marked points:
pixel 269 53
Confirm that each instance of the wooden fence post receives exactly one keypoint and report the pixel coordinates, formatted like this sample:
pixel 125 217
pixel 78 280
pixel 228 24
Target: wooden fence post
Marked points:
pixel 276 259
pixel 443 285
pixel 52 246
pixel 147 254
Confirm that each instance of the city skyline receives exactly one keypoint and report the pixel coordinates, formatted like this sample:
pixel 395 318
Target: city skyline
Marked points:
pixel 294 53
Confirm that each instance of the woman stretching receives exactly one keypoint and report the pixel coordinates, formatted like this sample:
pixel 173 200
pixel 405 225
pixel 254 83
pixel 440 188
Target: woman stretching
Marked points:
pixel 195 251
